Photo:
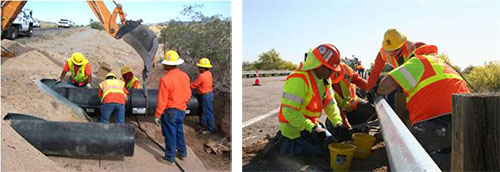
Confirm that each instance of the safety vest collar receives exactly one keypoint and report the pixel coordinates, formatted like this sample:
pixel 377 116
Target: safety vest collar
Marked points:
pixel 79 76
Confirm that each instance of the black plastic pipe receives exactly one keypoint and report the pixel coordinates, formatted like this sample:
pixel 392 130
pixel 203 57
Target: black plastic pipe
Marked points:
pixel 77 138
pixel 136 103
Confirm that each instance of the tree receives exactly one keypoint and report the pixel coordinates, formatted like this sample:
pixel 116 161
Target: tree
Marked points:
pixel 269 60
pixel 203 36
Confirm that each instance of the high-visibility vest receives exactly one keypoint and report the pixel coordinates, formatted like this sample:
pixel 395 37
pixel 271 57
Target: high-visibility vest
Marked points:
pixel 111 86
pixel 439 80
pixel 312 109
pixel 131 82
pixel 80 75
pixel 347 90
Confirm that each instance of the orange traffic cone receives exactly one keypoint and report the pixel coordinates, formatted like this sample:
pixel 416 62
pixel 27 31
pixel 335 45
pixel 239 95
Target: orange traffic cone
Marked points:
pixel 257 83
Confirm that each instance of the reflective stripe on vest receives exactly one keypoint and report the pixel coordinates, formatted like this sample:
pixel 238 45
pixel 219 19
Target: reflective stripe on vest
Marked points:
pixel 433 71
pixel 130 83
pixel 80 75
pixel 311 110
pixel 111 86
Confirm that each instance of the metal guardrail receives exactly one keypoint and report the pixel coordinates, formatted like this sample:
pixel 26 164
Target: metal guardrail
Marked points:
pixel 404 151
pixel 264 73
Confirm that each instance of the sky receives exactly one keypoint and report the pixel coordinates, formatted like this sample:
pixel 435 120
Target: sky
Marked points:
pixel 148 11
pixel 468 30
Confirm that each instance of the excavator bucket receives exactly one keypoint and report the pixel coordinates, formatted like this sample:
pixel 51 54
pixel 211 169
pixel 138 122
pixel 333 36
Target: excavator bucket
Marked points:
pixel 143 40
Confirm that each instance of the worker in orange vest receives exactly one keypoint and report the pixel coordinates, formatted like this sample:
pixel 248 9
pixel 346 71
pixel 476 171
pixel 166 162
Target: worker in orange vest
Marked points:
pixel 203 86
pixel 131 81
pixel 428 83
pixel 80 76
pixel 113 95
pixel 308 91
pixel 353 109
pixel 173 96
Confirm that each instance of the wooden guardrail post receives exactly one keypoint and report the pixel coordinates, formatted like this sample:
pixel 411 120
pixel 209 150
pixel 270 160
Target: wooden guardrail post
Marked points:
pixel 476 132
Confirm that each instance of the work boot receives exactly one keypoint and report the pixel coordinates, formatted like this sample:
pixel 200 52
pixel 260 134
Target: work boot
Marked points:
pixel 164 161
pixel 178 155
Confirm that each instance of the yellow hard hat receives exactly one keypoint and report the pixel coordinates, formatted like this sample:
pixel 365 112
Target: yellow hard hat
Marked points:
pixel 77 58
pixel 172 58
pixel 393 40
pixel 204 62
pixel 125 69
pixel 110 74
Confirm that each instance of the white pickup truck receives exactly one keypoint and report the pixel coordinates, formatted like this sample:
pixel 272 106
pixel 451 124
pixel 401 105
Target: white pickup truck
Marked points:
pixel 22 25
pixel 65 23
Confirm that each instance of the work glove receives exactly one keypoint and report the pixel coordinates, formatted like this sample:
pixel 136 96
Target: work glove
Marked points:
pixel 342 133
pixel 89 86
pixel 157 121
pixel 318 133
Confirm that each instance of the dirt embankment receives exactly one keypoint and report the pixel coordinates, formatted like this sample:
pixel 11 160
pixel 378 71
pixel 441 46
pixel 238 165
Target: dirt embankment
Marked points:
pixel 42 56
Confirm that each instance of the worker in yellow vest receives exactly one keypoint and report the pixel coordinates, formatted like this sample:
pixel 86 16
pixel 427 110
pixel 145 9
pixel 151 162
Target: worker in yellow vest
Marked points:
pixel 428 83
pixel 113 95
pixel 353 110
pixel 306 93
pixel 131 81
pixel 81 73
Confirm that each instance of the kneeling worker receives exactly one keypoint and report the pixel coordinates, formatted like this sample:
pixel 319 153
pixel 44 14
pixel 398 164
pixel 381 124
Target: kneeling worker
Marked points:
pixel 81 73
pixel 113 95
pixel 306 93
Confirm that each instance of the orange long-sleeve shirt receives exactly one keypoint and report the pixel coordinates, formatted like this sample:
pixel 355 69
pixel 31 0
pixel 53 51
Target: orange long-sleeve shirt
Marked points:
pixel 173 92
pixel 203 83
pixel 379 66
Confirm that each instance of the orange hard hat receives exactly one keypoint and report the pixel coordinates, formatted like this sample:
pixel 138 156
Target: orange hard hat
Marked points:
pixel 328 55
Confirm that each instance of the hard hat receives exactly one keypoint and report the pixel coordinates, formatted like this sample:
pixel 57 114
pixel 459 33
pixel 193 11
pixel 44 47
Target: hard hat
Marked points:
pixel 110 74
pixel 77 58
pixel 172 58
pixel 325 54
pixel 125 69
pixel 204 62
pixel 393 40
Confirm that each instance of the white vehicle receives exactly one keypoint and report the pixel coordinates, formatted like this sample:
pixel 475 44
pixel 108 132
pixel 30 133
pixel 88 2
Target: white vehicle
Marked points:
pixel 36 24
pixel 22 24
pixel 65 23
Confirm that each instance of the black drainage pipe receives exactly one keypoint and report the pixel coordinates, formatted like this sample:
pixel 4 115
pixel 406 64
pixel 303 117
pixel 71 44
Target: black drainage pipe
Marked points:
pixel 136 103
pixel 77 138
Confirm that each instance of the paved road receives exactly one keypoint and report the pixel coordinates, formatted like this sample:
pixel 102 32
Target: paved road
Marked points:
pixel 259 100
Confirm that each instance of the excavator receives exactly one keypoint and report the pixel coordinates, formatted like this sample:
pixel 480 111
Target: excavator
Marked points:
pixel 140 37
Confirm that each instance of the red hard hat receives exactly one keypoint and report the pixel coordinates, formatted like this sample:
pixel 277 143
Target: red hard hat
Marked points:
pixel 328 55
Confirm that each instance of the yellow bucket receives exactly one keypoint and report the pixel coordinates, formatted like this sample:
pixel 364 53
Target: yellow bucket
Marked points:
pixel 341 156
pixel 364 143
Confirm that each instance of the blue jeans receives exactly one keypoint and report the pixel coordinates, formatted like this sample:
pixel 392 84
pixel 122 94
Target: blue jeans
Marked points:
pixel 306 145
pixel 207 118
pixel 117 109
pixel 171 127
pixel 75 83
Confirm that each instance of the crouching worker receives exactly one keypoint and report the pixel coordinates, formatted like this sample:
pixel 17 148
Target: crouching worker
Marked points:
pixel 79 67
pixel 306 93
pixel 113 95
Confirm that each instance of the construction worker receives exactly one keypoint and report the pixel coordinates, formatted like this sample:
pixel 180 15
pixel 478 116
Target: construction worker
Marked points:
pixel 203 87
pixel 306 92
pixel 80 76
pixel 353 109
pixel 173 96
pixel 131 81
pixel 113 95
pixel 428 83
pixel 361 69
